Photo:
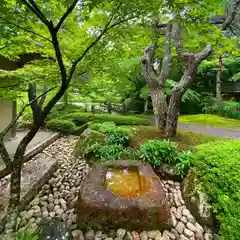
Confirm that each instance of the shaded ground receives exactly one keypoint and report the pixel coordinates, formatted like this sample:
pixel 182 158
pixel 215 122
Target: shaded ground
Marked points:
pixel 185 139
pixel 223 132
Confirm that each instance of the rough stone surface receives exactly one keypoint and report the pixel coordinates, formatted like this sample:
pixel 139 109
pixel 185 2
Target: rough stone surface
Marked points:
pixel 77 235
pixel 167 171
pixel 196 200
pixel 144 235
pixel 89 235
pixel 121 233
pixel 97 206
pixel 180 227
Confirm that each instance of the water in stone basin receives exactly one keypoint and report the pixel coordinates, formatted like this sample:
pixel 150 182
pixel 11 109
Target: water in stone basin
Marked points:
pixel 127 182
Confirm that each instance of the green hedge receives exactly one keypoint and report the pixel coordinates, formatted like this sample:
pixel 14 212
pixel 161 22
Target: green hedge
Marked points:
pixel 80 118
pixel 63 126
pixel 218 168
pixel 62 109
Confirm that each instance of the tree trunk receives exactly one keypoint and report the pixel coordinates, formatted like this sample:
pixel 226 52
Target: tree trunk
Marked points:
pixel 219 83
pixel 159 106
pixel 109 107
pixel 177 93
pixel 15 186
pixel 65 98
pixel 146 106
pixel 172 114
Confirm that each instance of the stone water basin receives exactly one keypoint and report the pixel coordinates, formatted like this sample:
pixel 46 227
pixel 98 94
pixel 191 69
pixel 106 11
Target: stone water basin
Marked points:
pixel 127 182
pixel 123 194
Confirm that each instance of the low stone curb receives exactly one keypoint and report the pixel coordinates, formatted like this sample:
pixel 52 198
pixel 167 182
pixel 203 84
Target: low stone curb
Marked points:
pixel 34 151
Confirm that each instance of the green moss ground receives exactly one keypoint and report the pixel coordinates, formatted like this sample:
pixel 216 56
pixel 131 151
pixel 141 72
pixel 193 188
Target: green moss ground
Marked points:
pixel 185 140
pixel 210 120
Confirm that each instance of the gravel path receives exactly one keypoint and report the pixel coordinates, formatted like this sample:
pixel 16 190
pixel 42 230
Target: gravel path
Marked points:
pixel 58 198
pixel 208 130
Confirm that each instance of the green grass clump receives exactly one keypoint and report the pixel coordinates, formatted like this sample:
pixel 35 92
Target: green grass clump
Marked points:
pixel 218 168
pixel 210 120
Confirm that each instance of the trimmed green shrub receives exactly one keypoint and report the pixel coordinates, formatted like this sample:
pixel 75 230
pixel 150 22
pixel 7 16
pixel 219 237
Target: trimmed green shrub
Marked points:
pixel 62 109
pixel 218 167
pixel 104 127
pixel 158 151
pixel 63 126
pixel 83 117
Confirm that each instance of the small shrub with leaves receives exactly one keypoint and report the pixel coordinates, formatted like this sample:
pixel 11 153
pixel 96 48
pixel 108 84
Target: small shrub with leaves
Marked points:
pixel 104 152
pixel 159 151
pixel 185 159
pixel 118 136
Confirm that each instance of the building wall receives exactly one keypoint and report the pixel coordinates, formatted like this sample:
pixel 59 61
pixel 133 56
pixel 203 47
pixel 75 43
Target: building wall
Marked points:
pixel 6 115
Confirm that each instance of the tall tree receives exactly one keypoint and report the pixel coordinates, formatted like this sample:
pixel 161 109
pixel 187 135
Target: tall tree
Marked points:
pixel 189 60
pixel 52 26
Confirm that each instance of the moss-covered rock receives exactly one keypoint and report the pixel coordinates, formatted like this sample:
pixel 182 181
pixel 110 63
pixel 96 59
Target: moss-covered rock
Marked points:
pixel 88 137
pixel 197 200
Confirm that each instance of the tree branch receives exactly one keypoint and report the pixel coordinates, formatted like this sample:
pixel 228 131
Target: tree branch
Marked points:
pixel 43 98
pixel 177 40
pixel 58 55
pixel 3 151
pixel 69 10
pixel 25 29
pixel 204 54
pixel 5 155
pixel 36 108
pixel 5 131
pixel 232 11
pixel 166 62
pixel 34 8
pixel 121 21
pixel 104 30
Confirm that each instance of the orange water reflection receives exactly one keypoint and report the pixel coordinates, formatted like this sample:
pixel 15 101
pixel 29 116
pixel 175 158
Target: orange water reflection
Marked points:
pixel 126 182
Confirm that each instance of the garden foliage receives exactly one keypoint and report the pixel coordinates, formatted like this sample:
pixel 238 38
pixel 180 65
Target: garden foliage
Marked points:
pixel 218 168
pixel 158 151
